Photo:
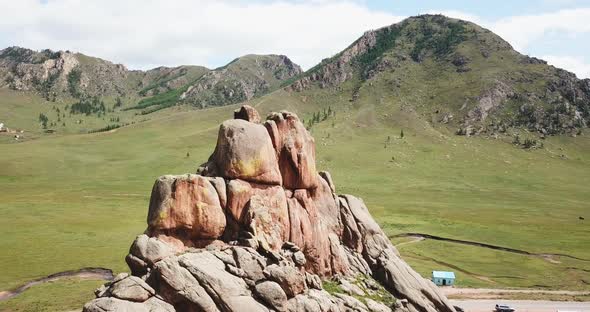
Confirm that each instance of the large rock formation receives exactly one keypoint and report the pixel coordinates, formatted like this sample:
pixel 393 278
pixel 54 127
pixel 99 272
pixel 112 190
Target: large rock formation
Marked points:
pixel 258 229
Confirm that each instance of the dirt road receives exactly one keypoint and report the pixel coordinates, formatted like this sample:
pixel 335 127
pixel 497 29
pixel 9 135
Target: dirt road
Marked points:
pixel 482 305
pixel 483 293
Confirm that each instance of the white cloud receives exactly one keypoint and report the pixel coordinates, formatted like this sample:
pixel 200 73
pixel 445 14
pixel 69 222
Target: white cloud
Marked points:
pixel 573 64
pixel 522 31
pixel 145 34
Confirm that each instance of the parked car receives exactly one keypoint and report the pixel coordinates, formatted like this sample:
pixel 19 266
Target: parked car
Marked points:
pixel 503 308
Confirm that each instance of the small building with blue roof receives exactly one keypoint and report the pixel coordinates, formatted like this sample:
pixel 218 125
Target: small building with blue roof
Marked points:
pixel 443 278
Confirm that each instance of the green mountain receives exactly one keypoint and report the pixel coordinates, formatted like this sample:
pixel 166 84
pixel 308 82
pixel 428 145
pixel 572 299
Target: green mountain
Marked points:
pixel 450 72
pixel 454 72
pixel 242 79
pixel 59 74
pixel 99 95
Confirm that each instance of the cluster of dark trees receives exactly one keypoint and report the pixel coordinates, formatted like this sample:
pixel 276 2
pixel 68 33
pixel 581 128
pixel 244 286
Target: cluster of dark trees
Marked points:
pixel 89 106
pixel 319 116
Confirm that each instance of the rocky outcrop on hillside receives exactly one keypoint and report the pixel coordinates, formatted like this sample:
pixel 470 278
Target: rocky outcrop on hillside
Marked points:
pixel 566 108
pixel 64 74
pixel 56 73
pixel 259 229
pixel 338 69
pixel 163 79
pixel 240 80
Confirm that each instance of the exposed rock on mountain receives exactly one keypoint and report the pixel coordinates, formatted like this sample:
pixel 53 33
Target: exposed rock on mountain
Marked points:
pixel 66 74
pixel 53 74
pixel 442 66
pixel 259 229
pixel 241 80
pixel 165 79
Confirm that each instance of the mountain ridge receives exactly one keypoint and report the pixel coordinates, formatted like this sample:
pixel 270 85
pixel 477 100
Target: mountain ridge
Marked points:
pixel 56 74
pixel 453 73
pixel 530 95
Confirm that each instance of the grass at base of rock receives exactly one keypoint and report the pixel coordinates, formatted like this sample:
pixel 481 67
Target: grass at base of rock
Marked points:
pixel 379 295
pixel 72 201
pixel 332 287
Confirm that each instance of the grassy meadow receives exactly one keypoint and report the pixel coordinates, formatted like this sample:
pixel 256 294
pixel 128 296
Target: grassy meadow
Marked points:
pixel 78 200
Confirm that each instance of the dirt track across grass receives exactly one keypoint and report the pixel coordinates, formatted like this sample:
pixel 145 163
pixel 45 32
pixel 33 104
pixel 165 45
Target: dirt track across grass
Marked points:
pixel 545 256
pixel 84 273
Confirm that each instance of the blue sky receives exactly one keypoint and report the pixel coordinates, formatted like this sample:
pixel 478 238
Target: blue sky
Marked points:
pixel 144 34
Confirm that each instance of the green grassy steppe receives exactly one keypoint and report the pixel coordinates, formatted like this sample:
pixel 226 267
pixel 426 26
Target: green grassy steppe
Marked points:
pixel 71 201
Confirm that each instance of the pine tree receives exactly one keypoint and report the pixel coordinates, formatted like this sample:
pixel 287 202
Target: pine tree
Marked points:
pixel 43 120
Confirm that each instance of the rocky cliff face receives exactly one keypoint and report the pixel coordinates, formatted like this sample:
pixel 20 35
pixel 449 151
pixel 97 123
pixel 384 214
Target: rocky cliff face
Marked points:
pixel 259 229
pixel 53 74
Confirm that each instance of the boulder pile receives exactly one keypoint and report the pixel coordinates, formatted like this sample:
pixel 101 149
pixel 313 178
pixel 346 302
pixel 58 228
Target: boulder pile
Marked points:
pixel 257 228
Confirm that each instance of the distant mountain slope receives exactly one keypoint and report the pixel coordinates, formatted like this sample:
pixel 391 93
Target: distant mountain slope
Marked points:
pixel 65 74
pixel 65 92
pixel 58 74
pixel 163 79
pixel 451 73
pixel 241 80
pixel 457 73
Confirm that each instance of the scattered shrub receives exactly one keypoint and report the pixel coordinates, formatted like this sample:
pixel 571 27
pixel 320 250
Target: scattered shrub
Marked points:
pixel 43 120
pixel 108 128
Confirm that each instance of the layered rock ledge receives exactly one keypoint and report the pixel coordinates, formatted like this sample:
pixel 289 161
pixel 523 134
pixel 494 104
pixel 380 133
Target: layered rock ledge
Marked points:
pixel 257 228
